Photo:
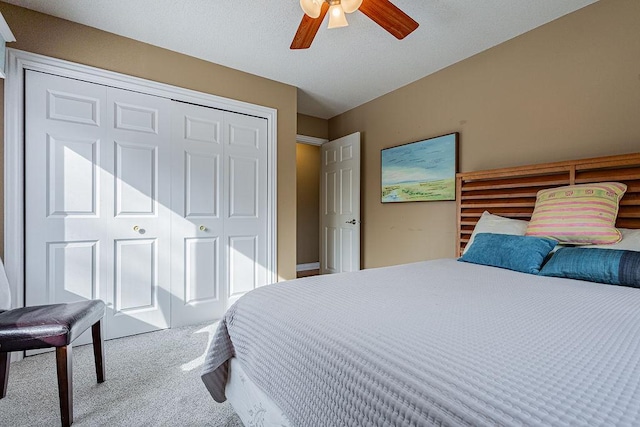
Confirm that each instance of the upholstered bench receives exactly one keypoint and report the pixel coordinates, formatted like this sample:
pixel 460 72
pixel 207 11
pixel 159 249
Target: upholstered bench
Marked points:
pixel 55 325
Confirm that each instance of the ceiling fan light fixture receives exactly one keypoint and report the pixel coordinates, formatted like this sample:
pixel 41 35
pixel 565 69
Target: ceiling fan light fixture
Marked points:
pixel 350 6
pixel 337 18
pixel 382 12
pixel 311 7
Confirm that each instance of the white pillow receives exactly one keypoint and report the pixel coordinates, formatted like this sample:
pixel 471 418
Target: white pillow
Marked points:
pixel 630 241
pixel 490 223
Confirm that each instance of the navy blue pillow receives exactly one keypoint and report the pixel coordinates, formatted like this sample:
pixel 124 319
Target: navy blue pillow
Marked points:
pixel 518 253
pixel 611 266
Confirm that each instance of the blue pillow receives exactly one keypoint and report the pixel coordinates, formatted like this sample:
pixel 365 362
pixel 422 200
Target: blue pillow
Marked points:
pixel 519 253
pixel 611 266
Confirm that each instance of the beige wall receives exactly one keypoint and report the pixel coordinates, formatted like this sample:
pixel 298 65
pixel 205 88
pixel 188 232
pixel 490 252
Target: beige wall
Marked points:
pixel 313 126
pixel 58 38
pixel 569 89
pixel 308 190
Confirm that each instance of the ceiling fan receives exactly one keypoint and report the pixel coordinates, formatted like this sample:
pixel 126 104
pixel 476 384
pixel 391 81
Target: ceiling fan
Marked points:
pixel 383 12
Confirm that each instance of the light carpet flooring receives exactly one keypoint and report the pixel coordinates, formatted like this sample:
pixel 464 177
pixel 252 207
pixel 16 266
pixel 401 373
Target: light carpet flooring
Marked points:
pixel 151 380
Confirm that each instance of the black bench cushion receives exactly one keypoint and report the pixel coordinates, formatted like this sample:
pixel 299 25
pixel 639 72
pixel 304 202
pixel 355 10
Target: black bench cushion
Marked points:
pixel 44 326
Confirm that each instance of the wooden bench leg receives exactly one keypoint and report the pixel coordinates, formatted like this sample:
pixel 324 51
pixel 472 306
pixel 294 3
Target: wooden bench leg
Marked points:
pixel 98 349
pixel 64 362
pixel 5 361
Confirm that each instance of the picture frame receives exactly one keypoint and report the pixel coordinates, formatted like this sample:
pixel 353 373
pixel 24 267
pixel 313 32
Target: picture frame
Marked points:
pixel 420 171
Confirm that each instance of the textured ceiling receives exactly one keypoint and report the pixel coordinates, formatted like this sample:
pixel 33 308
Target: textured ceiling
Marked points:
pixel 344 67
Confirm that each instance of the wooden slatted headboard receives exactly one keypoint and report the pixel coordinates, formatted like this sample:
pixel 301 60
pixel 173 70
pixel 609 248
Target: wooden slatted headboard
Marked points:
pixel 511 192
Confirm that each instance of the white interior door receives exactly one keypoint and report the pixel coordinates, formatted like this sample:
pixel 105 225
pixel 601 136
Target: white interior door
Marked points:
pixel 219 221
pixel 245 203
pixel 340 205
pixel 138 161
pixel 96 200
pixel 65 231
pixel 198 267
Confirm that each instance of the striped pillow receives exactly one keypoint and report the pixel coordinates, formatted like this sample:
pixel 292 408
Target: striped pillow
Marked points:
pixel 578 214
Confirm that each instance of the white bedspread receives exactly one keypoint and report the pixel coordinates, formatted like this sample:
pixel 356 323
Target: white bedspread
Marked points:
pixel 438 342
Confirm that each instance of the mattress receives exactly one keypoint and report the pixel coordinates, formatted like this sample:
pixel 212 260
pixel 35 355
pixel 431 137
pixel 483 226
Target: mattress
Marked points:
pixel 437 343
pixel 251 404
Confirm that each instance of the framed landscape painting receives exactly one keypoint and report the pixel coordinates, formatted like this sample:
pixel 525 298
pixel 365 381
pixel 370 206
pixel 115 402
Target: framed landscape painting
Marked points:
pixel 420 171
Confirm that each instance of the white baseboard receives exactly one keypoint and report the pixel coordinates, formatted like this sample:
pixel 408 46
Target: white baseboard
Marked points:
pixel 309 266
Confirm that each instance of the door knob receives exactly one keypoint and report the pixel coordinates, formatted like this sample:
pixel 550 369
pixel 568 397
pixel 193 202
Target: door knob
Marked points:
pixel 136 228
pixel 203 228
pixel 353 221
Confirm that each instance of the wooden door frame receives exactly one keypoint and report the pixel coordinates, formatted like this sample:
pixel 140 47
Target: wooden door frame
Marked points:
pixel 17 62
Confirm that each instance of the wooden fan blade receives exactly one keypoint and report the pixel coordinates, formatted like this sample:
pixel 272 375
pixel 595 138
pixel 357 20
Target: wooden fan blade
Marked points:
pixel 308 28
pixel 389 17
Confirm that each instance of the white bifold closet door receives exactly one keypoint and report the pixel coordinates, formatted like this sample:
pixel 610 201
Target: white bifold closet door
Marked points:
pixel 97 200
pixel 155 206
pixel 219 243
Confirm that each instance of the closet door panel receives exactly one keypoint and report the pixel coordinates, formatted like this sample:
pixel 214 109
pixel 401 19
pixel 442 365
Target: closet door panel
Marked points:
pixel 135 117
pixel 243 271
pixel 72 175
pixel 73 269
pixel 136 179
pixel 136 281
pixel 198 269
pixel 245 219
pixel 243 187
pixel 201 272
pixel 138 158
pixel 202 186
pixel 65 234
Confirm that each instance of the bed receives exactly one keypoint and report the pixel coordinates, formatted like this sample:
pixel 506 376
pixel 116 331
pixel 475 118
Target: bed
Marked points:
pixel 443 342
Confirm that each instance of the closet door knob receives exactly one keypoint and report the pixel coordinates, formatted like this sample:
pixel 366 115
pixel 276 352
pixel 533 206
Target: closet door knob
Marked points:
pixel 136 228
pixel 203 228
